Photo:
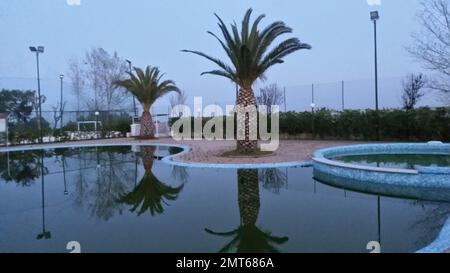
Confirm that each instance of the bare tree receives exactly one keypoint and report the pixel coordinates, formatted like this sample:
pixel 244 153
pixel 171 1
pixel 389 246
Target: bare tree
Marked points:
pixel 177 100
pixel 413 90
pixel 432 43
pixel 102 70
pixel 270 95
pixel 58 112
pixel 77 77
pixel 38 101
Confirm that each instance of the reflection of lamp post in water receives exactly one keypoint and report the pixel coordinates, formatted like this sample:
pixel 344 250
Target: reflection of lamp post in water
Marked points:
pixel 379 218
pixel 45 234
pixel 313 106
pixel 64 175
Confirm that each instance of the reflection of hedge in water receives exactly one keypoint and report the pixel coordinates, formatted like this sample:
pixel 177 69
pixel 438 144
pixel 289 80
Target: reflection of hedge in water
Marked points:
pixel 414 125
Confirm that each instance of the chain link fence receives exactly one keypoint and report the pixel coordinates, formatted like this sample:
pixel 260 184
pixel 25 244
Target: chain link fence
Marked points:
pixel 81 125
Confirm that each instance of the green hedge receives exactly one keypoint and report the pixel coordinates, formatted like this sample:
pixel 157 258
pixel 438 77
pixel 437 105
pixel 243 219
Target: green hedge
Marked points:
pixel 421 124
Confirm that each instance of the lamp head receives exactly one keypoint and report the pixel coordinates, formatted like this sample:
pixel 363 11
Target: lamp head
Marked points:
pixel 374 15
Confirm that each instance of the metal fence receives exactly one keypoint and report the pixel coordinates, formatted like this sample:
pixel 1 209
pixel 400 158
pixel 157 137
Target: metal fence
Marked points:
pixel 77 125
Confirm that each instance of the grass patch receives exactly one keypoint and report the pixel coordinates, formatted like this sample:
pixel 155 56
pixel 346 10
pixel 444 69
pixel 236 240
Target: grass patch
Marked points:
pixel 235 153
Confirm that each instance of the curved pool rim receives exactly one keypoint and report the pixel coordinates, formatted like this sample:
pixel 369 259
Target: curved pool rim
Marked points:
pixel 170 159
pixel 430 148
pixel 326 168
pixel 422 183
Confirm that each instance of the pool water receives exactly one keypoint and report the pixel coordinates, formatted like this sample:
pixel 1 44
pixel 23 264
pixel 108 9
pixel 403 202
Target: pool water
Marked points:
pixel 400 161
pixel 123 199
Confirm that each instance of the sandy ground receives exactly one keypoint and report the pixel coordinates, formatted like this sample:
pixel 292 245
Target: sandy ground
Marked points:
pixel 209 151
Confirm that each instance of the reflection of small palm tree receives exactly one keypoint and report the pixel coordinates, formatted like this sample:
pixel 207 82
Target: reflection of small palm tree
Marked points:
pixel 248 237
pixel 150 193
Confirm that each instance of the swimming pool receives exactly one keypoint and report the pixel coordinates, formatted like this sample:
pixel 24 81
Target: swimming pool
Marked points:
pixel 125 199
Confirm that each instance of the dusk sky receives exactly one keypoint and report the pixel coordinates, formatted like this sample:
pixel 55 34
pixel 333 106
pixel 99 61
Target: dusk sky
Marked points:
pixel 152 32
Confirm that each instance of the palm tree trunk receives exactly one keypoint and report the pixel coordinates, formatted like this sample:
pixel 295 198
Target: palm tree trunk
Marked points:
pixel 147 153
pixel 246 145
pixel 248 196
pixel 147 126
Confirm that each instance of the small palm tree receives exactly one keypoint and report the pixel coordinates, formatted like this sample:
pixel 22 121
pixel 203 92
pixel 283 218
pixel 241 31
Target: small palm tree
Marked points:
pixel 248 51
pixel 147 87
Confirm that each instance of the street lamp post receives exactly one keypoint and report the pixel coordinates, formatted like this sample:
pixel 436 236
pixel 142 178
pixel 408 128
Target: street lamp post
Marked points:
pixel 97 113
pixel 134 98
pixel 37 50
pixel 374 16
pixel 313 106
pixel 61 104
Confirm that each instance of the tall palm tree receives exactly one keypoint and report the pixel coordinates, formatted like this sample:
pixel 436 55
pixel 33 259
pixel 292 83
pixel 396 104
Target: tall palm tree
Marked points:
pixel 150 193
pixel 247 237
pixel 147 86
pixel 248 51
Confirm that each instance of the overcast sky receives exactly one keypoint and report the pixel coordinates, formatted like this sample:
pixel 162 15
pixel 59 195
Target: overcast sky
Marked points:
pixel 152 32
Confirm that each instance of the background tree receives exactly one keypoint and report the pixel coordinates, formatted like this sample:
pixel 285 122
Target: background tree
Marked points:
pixel 19 103
pixel 177 100
pixel 413 90
pixel 57 114
pixel 77 78
pixel 147 86
pixel 102 70
pixel 250 57
pixel 432 43
pixel 270 95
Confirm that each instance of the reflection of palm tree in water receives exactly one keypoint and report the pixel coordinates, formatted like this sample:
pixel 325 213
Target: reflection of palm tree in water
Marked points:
pixel 248 237
pixel 150 193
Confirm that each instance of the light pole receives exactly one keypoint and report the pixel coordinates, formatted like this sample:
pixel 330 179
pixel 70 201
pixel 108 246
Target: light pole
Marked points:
pixel 313 106
pixel 134 98
pixel 374 16
pixel 37 50
pixel 61 105
pixel 342 95
pixel 97 113
pixel 237 92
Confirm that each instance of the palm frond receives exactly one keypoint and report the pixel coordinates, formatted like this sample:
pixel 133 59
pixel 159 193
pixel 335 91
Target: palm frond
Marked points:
pixel 247 49
pixel 147 85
